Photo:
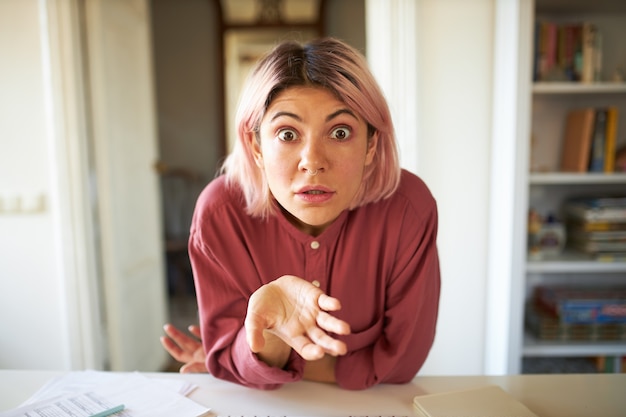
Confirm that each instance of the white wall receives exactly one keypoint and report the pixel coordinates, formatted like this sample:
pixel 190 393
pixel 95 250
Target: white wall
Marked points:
pixel 438 82
pixel 50 311
pixel 455 68
pixel 31 292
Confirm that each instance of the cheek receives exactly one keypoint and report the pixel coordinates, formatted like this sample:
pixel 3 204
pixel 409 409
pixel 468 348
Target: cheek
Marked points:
pixel 353 161
pixel 277 169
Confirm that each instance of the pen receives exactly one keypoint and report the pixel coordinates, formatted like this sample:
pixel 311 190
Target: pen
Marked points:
pixel 110 411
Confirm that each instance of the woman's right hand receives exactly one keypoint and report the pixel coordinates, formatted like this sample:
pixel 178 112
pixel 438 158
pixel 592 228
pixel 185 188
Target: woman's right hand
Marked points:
pixel 185 349
pixel 296 312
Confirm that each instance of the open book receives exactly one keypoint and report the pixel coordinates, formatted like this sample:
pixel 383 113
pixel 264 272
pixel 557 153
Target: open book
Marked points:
pixel 486 401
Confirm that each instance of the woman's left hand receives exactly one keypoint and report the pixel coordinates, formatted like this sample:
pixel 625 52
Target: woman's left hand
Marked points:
pixel 185 349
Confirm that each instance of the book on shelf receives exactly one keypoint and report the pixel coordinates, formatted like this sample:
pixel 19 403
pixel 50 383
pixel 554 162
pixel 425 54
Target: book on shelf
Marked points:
pixel 579 305
pixel 597 209
pixel 610 139
pixel 592 53
pixel 609 245
pixel 610 364
pixel 589 140
pixel 598 247
pixel 577 140
pixel 608 242
pixel 596 153
pixel 579 233
pixel 570 51
pixel 581 226
pixel 597 226
pixel 548 327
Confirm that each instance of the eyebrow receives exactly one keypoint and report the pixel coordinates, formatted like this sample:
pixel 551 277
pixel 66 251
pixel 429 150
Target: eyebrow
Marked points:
pixel 341 111
pixel 328 118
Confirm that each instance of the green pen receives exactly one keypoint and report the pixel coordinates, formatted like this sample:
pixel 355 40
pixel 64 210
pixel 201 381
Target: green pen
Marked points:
pixel 110 411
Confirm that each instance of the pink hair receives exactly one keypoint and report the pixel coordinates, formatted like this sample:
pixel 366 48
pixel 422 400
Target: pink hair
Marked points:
pixel 327 63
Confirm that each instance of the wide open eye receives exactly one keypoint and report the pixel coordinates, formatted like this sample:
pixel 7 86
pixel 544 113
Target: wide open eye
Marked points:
pixel 287 135
pixel 341 133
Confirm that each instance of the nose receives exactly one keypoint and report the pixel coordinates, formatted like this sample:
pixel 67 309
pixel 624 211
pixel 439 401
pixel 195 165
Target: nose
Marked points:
pixel 313 156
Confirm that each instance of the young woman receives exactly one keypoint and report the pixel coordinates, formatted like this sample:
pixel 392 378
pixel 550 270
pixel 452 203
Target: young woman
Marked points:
pixel 314 254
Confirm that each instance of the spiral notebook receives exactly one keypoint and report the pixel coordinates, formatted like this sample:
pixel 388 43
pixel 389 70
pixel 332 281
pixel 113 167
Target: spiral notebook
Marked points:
pixel 485 401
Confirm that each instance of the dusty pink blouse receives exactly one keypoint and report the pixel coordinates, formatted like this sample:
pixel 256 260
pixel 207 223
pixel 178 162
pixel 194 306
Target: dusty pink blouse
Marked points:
pixel 379 260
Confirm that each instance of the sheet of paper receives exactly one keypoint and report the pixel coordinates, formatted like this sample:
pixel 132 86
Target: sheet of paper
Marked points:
pixel 76 405
pixel 141 396
pixel 80 381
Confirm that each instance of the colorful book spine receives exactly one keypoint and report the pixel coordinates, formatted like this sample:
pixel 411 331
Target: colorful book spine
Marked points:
pixel 597 154
pixel 589 45
pixel 583 306
pixel 610 139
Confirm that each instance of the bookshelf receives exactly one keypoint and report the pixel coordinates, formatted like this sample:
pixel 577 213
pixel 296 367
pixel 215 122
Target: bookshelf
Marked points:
pixel 546 187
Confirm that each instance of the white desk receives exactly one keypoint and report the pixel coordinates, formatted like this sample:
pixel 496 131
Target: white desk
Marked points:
pixel 598 395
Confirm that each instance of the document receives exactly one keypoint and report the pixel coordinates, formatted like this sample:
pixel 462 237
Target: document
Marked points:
pixel 88 393
pixel 88 404
pixel 486 401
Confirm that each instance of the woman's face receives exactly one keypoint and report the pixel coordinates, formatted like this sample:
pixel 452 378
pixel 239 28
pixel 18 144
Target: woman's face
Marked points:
pixel 309 131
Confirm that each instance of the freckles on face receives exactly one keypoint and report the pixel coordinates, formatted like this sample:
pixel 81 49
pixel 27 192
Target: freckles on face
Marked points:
pixel 313 150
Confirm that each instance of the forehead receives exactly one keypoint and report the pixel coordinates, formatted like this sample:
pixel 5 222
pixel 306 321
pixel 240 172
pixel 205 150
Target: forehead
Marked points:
pixel 305 95
pixel 308 103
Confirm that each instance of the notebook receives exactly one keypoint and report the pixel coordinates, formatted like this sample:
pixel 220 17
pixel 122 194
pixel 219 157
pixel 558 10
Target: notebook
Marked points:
pixel 485 401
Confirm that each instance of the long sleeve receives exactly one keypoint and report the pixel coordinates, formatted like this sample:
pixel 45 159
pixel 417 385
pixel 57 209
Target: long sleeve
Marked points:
pixel 225 277
pixel 380 261
pixel 405 330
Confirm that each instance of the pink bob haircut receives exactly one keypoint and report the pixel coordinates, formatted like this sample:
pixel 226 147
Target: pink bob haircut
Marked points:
pixel 325 63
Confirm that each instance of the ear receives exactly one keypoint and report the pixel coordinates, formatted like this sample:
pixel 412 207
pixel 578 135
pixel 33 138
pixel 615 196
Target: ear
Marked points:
pixel 255 148
pixel 372 145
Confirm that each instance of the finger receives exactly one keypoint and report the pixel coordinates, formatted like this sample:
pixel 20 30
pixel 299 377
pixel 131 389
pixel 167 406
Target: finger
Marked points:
pixel 332 324
pixel 328 303
pixel 305 348
pixel 254 333
pixel 329 344
pixel 173 332
pixel 195 330
pixel 173 349
pixel 185 342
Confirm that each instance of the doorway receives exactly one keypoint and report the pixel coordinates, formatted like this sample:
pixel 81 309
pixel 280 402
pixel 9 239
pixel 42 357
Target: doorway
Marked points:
pixel 188 99
pixel 188 68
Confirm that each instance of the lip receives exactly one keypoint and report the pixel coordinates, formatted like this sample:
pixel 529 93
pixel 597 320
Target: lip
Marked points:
pixel 322 195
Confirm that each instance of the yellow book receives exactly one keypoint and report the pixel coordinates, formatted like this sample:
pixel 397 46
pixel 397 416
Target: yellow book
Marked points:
pixel 485 401
pixel 609 139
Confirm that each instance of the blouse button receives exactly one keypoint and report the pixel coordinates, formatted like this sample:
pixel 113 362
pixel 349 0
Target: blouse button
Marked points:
pixel 315 244
pixel 316 283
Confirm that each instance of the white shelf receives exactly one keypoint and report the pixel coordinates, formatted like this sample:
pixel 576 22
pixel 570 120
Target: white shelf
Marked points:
pixel 544 189
pixel 534 347
pixel 575 266
pixel 545 87
pixel 580 6
pixel 564 178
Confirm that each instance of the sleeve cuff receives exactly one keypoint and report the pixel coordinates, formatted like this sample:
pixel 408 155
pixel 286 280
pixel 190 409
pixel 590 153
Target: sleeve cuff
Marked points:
pixel 257 373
